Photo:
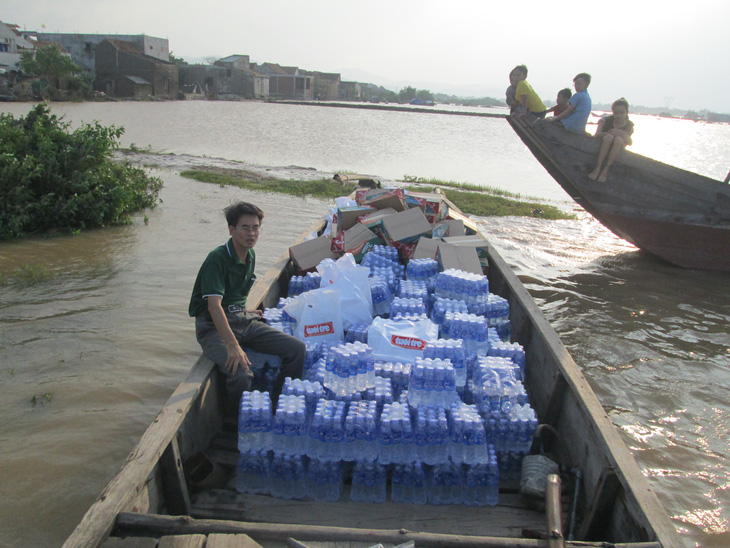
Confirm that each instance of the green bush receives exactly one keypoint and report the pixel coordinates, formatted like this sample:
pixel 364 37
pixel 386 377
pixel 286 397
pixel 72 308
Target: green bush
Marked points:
pixel 55 179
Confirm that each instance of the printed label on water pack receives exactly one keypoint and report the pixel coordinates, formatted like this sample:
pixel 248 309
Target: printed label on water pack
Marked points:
pixel 326 328
pixel 411 343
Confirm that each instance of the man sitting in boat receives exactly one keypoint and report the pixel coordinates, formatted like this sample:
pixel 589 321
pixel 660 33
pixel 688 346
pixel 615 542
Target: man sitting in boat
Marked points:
pixel 575 117
pixel 615 132
pixel 223 325
pixel 526 98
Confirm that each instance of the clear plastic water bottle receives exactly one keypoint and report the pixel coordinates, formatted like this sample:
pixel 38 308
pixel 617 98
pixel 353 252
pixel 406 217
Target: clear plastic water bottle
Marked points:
pixel 252 472
pixel 255 421
pixel 445 484
pixel 368 482
pixel 325 479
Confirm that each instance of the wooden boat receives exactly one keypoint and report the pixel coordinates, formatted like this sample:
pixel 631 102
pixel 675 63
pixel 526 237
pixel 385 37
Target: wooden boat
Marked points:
pixel 675 214
pixel 150 498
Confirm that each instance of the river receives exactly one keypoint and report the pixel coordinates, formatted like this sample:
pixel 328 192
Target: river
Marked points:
pixel 89 353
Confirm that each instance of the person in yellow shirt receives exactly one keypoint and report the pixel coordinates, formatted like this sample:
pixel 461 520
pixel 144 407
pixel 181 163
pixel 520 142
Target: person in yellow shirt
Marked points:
pixel 527 99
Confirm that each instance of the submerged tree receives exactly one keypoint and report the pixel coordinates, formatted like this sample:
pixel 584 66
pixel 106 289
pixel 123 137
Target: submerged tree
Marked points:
pixel 55 179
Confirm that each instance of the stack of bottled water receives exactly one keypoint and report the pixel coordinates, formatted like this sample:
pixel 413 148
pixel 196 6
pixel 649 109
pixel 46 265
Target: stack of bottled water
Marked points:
pixel 496 308
pixel 290 426
pixel 288 476
pixel 368 482
pixel 325 479
pixel 381 393
pixel 361 432
pixel 350 369
pixel 377 258
pixel 468 436
pixel 405 317
pixel 481 482
pixel 432 382
pixel 382 296
pixel 311 390
pixel 441 306
pixel 410 289
pixel 390 278
pixel 386 251
pixel 317 372
pixel 326 432
pixel 473 289
pixel 452 350
pixel 471 328
pixel 402 306
pixel 254 421
pixel 422 269
pixel 495 387
pixel 302 284
pixel 445 483
pixel 396 434
pixel 358 332
pixel 312 355
pixel 252 472
pixel 431 437
pixel 513 351
pixel 398 373
pixel 408 483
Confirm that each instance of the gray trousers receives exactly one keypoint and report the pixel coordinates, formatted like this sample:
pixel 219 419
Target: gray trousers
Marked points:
pixel 256 335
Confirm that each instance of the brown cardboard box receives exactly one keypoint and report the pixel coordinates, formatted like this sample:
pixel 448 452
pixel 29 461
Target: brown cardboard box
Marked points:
pixel 459 257
pixel 384 197
pixel 427 248
pixel 347 216
pixel 432 205
pixel 308 255
pixel 452 227
pixel 407 226
pixel 359 240
pixel 476 242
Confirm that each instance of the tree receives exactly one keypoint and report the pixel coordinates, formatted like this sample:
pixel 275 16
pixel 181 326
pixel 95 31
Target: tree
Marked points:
pixel 49 63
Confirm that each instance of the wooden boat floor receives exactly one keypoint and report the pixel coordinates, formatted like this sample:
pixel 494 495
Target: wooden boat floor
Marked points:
pixel 184 541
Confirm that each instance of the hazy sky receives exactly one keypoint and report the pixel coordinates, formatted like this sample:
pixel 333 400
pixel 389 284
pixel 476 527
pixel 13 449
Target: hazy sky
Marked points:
pixel 655 53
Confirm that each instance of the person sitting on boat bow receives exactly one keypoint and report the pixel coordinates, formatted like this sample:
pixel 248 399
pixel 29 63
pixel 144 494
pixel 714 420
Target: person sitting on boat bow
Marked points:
pixel 615 133
pixel 575 117
pixel 223 325
pixel 527 100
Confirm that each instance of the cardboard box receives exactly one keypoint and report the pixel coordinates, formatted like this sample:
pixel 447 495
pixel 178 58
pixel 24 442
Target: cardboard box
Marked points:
pixel 374 221
pixel 407 226
pixel 459 257
pixel 347 217
pixel 452 227
pixel 358 240
pixel 384 197
pixel 432 205
pixel 307 255
pixel 427 248
pixel 477 242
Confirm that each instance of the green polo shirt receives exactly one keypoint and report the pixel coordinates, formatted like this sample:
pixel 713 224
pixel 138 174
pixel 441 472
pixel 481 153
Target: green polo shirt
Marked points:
pixel 224 275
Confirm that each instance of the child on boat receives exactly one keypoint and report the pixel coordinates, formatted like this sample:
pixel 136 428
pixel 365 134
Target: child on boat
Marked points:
pixel 561 103
pixel 526 97
pixel 223 324
pixel 575 117
pixel 615 133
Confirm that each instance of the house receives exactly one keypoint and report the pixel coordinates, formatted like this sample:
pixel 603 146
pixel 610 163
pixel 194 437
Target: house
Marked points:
pixel 326 85
pixel 229 77
pixel 82 47
pixel 123 69
pixel 350 90
pixel 12 44
pixel 286 82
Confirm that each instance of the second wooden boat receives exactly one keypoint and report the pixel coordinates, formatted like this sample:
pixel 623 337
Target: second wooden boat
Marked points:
pixel 675 214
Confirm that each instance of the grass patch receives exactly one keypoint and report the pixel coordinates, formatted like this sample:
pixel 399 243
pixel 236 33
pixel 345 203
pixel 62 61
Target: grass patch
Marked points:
pixel 471 199
pixel 27 275
pixel 464 186
pixel 325 189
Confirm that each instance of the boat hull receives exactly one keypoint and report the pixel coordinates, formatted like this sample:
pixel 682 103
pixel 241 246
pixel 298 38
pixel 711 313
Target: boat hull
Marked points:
pixel 674 214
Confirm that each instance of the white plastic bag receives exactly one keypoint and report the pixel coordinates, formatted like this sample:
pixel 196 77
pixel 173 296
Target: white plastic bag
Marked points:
pixel 318 315
pixel 356 300
pixel 400 340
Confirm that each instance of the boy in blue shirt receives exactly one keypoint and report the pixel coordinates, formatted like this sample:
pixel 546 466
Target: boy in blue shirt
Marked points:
pixel 575 117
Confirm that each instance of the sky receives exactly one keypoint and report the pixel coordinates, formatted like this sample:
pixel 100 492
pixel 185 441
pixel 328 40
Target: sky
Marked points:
pixel 666 53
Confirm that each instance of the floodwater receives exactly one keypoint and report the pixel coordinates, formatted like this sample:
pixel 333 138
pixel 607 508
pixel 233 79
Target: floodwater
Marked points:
pixel 90 353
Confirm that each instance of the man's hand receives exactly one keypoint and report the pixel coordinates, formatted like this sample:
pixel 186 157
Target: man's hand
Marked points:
pixel 256 311
pixel 236 358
